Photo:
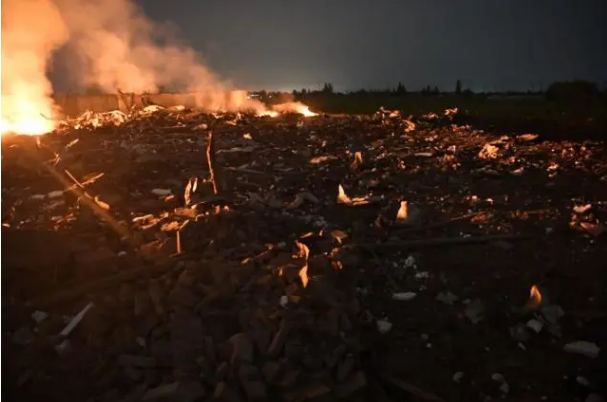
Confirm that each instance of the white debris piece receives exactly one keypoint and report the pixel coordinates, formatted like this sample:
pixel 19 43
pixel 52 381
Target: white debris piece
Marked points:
pixel 38 197
pixel 535 325
pixel 384 326
pixel 585 348
pixel 75 321
pixel 284 300
pixel 404 296
pixel 55 194
pixel 410 262
pixel 161 192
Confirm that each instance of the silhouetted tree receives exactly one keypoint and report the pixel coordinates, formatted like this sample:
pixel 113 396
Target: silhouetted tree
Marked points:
pixel 436 91
pixel 400 89
pixel 458 87
pixel 327 88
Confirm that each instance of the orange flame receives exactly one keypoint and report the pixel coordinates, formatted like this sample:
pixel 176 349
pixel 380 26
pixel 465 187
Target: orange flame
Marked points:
pixel 535 298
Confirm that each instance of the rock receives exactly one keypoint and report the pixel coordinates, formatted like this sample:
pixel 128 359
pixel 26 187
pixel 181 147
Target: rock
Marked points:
pixel 271 370
pixel 332 358
pixel 242 349
pixel 136 361
pixel 354 383
pixel 179 391
pixel 279 339
pixel 23 336
pixel 252 383
pixel 344 368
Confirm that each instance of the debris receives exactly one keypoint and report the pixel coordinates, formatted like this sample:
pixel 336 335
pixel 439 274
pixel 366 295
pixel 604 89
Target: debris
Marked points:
pixel 39 316
pixel 447 297
pixel 475 311
pixel 585 348
pixel 23 336
pixel 413 390
pixel 408 214
pixel 535 325
pixel 75 321
pixel 342 198
pixel 55 194
pixel 489 152
pixel 458 376
pixel 161 192
pixel 384 326
pixel 404 296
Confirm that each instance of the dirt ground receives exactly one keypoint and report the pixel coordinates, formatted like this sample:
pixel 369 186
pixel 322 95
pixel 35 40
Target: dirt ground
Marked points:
pixel 456 265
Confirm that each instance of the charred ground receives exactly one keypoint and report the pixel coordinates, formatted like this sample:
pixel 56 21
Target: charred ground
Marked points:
pixel 273 290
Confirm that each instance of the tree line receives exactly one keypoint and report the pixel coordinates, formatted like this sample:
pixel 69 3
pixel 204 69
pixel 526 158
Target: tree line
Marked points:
pixel 560 90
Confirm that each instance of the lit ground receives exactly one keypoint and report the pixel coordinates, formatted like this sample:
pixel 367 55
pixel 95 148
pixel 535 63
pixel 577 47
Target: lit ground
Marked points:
pixel 232 309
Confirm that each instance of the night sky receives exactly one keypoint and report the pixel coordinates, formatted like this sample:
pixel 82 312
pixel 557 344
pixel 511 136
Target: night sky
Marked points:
pixel 488 44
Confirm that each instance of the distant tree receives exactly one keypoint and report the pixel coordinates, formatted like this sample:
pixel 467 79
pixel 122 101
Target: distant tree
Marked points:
pixel 458 87
pixel 436 91
pixel 400 89
pixel 327 88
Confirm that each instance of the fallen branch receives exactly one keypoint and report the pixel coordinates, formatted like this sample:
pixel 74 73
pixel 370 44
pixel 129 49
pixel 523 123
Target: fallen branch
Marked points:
pixel 439 241
pixel 211 162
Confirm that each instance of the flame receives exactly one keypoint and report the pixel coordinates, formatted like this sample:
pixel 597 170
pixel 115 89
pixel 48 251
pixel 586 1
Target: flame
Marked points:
pixel 291 107
pixel 535 295
pixel 535 299
pixel 31 31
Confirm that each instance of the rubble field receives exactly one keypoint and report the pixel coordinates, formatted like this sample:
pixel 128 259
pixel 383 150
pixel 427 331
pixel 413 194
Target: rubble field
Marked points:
pixel 175 255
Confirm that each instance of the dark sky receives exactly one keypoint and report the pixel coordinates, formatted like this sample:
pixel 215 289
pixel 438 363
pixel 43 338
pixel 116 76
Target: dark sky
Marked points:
pixel 488 44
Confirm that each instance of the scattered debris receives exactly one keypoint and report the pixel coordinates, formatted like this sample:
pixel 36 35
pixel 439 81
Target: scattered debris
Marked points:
pixel 585 348
pixel 404 296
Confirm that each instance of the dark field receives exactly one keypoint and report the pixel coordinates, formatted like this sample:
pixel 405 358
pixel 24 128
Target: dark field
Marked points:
pixel 276 289
pixel 554 119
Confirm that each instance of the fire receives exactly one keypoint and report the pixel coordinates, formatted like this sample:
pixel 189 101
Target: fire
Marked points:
pixel 31 31
pixel 27 120
pixel 535 299
pixel 292 107
pixel 304 110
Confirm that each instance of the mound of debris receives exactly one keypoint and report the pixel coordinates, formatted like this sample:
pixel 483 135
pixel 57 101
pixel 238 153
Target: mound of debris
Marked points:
pixel 171 254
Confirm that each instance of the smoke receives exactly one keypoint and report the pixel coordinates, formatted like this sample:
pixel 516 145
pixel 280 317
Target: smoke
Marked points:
pixel 116 48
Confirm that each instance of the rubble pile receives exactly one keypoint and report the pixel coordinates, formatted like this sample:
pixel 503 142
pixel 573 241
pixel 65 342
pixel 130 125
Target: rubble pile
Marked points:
pixel 170 254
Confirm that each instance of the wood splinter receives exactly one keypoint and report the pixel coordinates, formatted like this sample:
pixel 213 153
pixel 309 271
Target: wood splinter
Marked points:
pixel 211 162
